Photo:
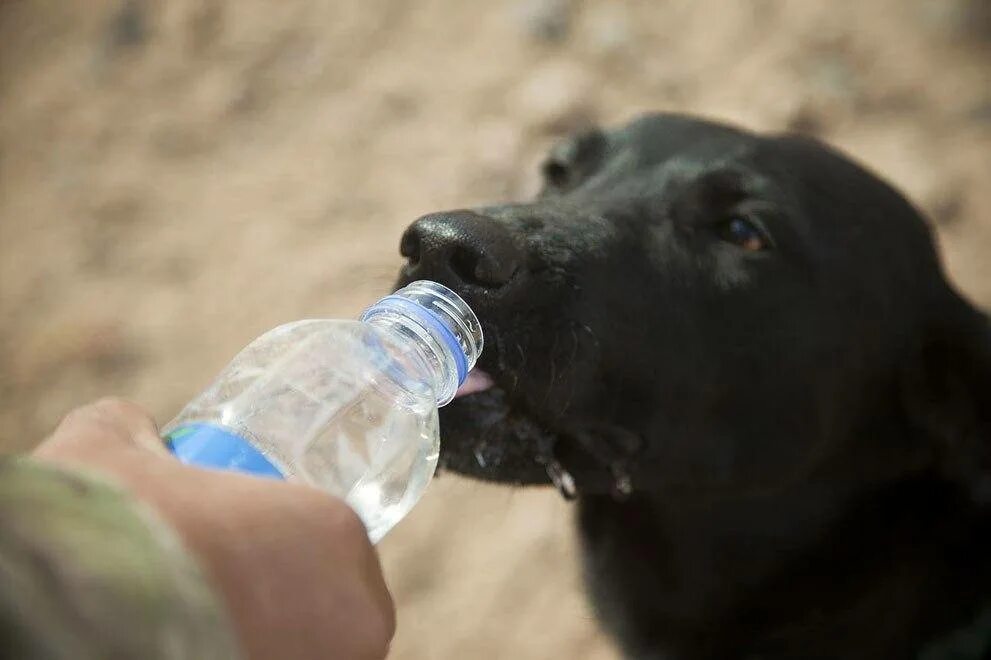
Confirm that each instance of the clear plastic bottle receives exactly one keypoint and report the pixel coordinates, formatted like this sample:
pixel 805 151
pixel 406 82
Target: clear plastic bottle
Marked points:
pixel 347 406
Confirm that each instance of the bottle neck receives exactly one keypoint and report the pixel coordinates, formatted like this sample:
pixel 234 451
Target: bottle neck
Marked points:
pixel 440 326
pixel 440 361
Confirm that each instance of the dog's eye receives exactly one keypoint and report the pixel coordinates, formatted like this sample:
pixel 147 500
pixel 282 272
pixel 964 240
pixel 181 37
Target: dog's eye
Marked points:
pixel 556 173
pixel 746 233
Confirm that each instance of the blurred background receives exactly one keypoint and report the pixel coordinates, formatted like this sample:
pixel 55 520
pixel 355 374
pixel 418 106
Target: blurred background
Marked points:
pixel 177 177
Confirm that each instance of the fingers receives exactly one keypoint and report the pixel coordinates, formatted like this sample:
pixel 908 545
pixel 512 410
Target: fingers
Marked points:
pixel 105 425
pixel 295 566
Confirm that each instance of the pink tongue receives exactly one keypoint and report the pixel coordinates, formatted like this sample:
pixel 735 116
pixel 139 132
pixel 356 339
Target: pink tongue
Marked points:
pixel 477 381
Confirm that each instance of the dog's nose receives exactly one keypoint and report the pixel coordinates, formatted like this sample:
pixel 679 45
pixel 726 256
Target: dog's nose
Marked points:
pixel 462 246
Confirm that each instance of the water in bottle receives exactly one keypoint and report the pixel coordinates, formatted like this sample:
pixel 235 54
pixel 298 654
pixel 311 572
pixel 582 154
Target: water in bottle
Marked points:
pixel 347 406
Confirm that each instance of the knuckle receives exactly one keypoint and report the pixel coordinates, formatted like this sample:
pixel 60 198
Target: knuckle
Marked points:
pixel 127 415
pixel 117 407
pixel 76 416
pixel 87 418
pixel 107 422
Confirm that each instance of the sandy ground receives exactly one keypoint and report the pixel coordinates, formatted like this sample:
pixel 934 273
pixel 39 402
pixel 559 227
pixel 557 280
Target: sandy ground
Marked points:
pixel 177 177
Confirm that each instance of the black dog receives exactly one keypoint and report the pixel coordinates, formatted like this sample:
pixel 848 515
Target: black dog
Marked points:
pixel 741 357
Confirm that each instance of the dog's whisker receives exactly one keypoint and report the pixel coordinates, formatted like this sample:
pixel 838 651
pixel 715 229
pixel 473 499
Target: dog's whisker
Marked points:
pixel 574 347
pixel 521 368
pixel 591 333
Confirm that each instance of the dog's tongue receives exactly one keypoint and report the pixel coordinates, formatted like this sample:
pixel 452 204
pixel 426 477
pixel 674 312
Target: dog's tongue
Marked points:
pixel 477 381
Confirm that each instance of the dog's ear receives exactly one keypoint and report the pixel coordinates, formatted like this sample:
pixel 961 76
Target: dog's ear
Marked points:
pixel 947 392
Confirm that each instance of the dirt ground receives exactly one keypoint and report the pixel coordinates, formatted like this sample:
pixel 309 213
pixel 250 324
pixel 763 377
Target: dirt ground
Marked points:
pixel 177 177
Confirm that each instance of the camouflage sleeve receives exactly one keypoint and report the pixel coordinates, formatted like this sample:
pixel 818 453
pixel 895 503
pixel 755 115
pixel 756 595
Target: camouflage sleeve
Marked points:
pixel 88 573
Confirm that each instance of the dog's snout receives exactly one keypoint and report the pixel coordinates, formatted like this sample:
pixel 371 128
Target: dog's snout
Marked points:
pixel 461 247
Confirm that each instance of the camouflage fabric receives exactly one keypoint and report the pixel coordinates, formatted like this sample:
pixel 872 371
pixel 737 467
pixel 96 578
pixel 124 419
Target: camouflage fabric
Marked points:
pixel 89 574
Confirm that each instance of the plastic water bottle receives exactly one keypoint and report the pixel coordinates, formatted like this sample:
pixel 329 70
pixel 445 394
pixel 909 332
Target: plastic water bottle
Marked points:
pixel 347 406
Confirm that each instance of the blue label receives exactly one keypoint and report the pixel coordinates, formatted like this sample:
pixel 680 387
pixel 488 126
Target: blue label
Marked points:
pixel 215 447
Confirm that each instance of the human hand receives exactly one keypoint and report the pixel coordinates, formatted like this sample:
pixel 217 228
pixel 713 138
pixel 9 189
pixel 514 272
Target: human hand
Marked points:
pixel 294 565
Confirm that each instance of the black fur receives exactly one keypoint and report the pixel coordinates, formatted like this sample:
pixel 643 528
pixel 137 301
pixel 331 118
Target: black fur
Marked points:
pixel 778 452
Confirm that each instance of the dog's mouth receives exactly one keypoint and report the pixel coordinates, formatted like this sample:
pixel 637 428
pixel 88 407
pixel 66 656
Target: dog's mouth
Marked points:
pixel 487 435
pixel 489 432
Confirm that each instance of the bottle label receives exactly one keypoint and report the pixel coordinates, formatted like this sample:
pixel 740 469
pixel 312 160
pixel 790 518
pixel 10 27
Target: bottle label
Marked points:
pixel 215 447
